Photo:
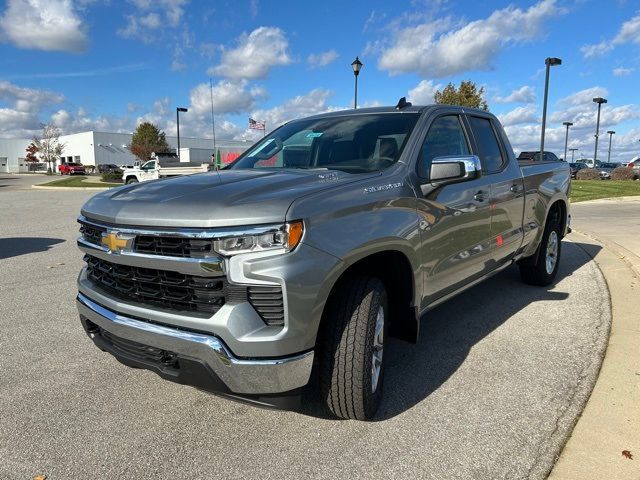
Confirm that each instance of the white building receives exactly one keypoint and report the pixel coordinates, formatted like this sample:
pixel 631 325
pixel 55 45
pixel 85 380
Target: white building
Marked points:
pixel 96 148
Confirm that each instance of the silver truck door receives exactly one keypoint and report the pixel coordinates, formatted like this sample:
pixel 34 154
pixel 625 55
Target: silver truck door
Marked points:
pixel 455 219
pixel 507 189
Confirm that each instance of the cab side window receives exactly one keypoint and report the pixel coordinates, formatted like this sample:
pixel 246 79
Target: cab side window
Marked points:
pixel 444 139
pixel 488 147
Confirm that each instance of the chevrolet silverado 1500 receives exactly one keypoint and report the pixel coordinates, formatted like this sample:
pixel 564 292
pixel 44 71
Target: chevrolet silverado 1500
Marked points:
pixel 301 258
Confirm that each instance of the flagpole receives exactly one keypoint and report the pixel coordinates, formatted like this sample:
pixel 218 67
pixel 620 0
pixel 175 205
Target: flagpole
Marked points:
pixel 213 121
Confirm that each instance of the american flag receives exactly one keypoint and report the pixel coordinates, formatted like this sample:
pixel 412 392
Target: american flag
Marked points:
pixel 255 125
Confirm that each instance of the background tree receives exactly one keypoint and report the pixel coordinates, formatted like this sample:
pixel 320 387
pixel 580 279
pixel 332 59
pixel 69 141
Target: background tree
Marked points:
pixel 147 139
pixel 32 150
pixel 49 146
pixel 466 95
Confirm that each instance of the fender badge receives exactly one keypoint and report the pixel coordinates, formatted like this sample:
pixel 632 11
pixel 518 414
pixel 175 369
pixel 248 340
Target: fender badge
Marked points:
pixel 382 188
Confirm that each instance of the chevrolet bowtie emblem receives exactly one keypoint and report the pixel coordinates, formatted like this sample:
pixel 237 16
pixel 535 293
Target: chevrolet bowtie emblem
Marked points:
pixel 114 241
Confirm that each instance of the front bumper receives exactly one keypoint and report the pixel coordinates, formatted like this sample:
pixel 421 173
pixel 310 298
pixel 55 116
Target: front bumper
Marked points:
pixel 187 357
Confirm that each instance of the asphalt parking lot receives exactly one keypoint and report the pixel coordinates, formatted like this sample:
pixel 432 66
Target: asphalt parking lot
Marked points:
pixel 491 391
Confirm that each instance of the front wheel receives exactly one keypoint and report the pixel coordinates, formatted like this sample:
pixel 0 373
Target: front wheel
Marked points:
pixel 352 347
pixel 131 180
pixel 545 270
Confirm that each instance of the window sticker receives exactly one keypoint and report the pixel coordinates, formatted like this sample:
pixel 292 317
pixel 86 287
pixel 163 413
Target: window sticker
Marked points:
pixel 314 134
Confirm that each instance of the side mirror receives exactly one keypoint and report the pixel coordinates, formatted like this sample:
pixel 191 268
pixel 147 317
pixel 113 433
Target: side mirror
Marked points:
pixel 447 170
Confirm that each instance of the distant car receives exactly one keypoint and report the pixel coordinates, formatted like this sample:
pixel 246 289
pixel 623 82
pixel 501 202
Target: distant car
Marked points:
pixel 576 167
pixel 108 167
pixel 548 156
pixel 605 169
pixel 71 168
pixel 635 165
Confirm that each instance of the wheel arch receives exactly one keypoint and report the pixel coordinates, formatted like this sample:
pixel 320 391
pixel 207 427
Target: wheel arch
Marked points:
pixel 394 269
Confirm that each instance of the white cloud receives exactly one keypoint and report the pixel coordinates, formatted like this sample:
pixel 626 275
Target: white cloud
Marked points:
pixel 300 106
pixel 146 22
pixel 519 116
pixel 622 72
pixel 629 33
pixel 579 109
pixel 228 97
pixel 20 115
pixel 43 25
pixel 423 93
pixel 255 55
pixel 436 49
pixel 524 94
pixel 317 60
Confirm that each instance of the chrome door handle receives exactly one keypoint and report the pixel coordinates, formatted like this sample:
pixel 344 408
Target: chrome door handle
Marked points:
pixel 515 188
pixel 481 196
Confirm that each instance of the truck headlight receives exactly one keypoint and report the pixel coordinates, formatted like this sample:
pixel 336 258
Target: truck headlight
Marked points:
pixel 286 237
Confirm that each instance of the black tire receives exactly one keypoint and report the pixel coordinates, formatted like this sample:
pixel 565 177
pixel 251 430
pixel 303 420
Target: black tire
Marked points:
pixel 536 273
pixel 131 180
pixel 347 346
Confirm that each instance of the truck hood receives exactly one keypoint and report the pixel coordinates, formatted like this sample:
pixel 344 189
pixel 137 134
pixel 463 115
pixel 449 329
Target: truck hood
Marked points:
pixel 215 199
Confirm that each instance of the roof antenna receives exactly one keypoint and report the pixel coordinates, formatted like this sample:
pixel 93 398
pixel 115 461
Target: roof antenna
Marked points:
pixel 402 103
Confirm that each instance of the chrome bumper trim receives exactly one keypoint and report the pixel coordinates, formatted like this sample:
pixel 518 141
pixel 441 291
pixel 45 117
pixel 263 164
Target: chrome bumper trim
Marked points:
pixel 242 376
pixel 204 267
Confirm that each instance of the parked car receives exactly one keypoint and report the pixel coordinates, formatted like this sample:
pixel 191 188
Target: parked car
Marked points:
pixel 108 167
pixel 635 165
pixel 530 156
pixel 71 168
pixel 606 168
pixel 155 169
pixel 576 167
pixel 306 253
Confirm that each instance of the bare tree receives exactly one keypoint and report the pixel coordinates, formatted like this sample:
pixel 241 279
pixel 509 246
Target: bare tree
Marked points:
pixel 49 145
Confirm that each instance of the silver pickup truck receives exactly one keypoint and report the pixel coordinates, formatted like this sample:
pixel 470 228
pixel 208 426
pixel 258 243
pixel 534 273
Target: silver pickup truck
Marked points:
pixel 300 259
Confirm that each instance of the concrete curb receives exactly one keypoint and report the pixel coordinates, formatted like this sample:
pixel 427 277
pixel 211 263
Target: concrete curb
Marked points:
pixel 609 423
pixel 45 187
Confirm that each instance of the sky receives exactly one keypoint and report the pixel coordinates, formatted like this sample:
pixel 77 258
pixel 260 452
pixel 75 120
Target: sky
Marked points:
pixel 108 65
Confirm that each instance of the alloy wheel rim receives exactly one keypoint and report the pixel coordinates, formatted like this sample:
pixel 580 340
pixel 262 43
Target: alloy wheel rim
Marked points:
pixel 378 350
pixel 552 252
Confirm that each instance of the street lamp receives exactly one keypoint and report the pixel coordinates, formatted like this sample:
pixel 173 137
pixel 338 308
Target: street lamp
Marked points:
pixel 566 139
pixel 356 65
pixel 573 151
pixel 178 110
pixel 611 133
pixel 599 101
pixel 549 62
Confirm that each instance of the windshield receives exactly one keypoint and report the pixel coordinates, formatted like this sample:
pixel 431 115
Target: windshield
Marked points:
pixel 354 144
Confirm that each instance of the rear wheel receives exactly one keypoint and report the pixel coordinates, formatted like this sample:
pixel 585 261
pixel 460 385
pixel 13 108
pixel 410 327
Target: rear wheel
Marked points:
pixel 352 348
pixel 545 270
pixel 131 180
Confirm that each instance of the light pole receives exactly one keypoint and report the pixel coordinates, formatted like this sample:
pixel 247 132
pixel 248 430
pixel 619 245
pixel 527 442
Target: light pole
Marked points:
pixel 356 65
pixel 573 151
pixel 611 133
pixel 599 101
pixel 178 110
pixel 549 62
pixel 566 139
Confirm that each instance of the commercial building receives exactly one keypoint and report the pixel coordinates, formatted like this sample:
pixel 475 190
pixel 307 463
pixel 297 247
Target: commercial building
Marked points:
pixel 96 148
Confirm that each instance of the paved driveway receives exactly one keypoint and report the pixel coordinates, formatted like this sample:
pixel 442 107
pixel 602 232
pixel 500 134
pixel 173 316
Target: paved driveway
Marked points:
pixel 491 390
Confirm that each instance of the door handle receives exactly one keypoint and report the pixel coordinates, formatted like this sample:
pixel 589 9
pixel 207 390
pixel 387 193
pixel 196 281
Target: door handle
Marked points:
pixel 481 196
pixel 515 188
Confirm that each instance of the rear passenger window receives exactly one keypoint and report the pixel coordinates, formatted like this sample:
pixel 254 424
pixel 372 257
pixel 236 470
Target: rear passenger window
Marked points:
pixel 488 147
pixel 445 139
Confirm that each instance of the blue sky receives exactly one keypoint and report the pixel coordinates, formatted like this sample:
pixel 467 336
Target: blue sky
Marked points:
pixel 107 65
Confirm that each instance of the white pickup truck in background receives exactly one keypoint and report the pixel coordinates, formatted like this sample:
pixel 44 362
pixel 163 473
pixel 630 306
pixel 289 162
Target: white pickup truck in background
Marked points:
pixel 155 169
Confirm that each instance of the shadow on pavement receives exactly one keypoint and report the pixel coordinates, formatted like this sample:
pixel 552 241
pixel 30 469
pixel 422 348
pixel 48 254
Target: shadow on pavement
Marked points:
pixel 448 332
pixel 16 246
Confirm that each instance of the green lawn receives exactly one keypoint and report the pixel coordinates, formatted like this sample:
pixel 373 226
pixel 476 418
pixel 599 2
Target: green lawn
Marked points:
pixel 582 190
pixel 78 181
